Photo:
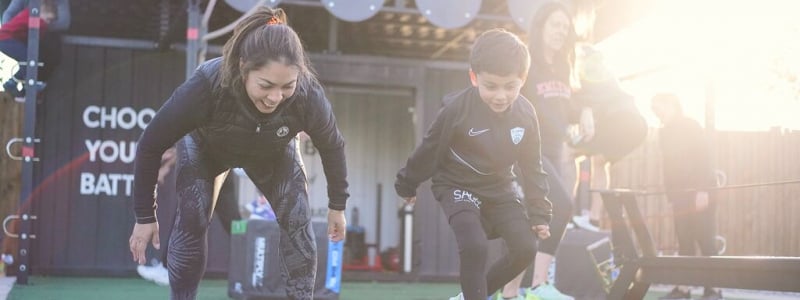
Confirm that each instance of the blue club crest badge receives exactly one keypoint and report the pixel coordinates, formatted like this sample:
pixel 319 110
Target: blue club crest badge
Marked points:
pixel 516 134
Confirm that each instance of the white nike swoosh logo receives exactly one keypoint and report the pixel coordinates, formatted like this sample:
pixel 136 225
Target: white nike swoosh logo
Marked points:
pixel 473 132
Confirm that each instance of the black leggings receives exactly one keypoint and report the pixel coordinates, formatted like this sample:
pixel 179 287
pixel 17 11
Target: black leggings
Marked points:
pixel 695 229
pixel 469 221
pixel 227 210
pixel 280 178
pixel 561 198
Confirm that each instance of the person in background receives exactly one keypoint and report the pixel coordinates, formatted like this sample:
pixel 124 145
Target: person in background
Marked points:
pixel 243 109
pixel 14 41
pixel 549 87
pixel 3 6
pixel 260 209
pixel 619 127
pixel 479 135
pixel 687 173
pixel 60 23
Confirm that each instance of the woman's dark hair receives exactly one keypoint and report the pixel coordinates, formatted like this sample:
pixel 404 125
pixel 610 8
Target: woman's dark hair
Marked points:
pixel 258 39
pixel 564 58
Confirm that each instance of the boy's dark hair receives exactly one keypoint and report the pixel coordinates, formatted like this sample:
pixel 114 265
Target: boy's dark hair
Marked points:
pixel 499 52
pixel 261 38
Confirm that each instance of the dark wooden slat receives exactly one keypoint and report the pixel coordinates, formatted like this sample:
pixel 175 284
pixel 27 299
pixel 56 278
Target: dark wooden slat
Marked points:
pixel 112 213
pixel 83 225
pixel 55 179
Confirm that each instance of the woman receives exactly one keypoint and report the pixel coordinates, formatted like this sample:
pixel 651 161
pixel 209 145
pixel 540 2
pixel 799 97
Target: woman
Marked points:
pixel 242 110
pixel 552 46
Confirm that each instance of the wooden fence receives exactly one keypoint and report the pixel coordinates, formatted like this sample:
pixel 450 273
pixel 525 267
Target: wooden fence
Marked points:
pixel 11 114
pixel 753 221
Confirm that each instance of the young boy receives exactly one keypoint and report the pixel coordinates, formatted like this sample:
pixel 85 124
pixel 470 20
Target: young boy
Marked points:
pixel 480 133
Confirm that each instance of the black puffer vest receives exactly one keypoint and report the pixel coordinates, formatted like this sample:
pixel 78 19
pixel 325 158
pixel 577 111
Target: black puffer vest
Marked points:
pixel 237 133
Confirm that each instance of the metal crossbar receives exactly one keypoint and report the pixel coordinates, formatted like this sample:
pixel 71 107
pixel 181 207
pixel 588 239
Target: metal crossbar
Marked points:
pixel 641 265
pixel 709 189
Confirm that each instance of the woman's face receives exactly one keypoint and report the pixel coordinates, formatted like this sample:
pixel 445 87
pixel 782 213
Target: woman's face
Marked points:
pixel 556 30
pixel 271 84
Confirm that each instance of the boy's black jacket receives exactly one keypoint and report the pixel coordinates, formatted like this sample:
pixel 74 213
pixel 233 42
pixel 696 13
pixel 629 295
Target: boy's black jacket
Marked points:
pixel 470 146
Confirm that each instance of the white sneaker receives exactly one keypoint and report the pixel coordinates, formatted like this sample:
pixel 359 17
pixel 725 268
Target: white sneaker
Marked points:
pixel 546 291
pixel 156 273
pixel 583 222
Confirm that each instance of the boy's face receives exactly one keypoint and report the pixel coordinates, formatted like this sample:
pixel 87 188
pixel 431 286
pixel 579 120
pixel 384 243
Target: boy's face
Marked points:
pixel 498 92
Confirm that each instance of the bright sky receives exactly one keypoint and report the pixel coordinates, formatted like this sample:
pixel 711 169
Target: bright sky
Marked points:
pixel 748 51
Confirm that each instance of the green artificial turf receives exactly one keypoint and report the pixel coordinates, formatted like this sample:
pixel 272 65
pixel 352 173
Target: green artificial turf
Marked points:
pixel 67 288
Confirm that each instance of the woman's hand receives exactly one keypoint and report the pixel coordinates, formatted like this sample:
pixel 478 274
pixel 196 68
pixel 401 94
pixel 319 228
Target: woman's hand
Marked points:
pixel 410 200
pixel 542 231
pixel 143 234
pixel 337 225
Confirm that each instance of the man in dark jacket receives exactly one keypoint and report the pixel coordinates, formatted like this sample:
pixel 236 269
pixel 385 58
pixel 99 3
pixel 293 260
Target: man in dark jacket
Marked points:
pixel 687 172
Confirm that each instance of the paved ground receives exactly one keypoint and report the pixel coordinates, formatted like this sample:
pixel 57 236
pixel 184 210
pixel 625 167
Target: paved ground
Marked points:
pixel 734 293
pixel 6 283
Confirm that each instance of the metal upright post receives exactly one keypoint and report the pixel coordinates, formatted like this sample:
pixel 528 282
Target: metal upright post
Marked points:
pixel 32 86
pixel 201 56
pixel 624 249
pixel 407 214
pixel 192 36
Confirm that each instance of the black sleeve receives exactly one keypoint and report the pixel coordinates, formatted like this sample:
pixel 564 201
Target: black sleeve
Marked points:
pixel 321 127
pixel 182 113
pixel 698 156
pixel 422 164
pixel 534 179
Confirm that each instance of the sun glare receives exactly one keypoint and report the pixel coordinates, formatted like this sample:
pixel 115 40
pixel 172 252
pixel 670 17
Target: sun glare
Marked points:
pixel 744 53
